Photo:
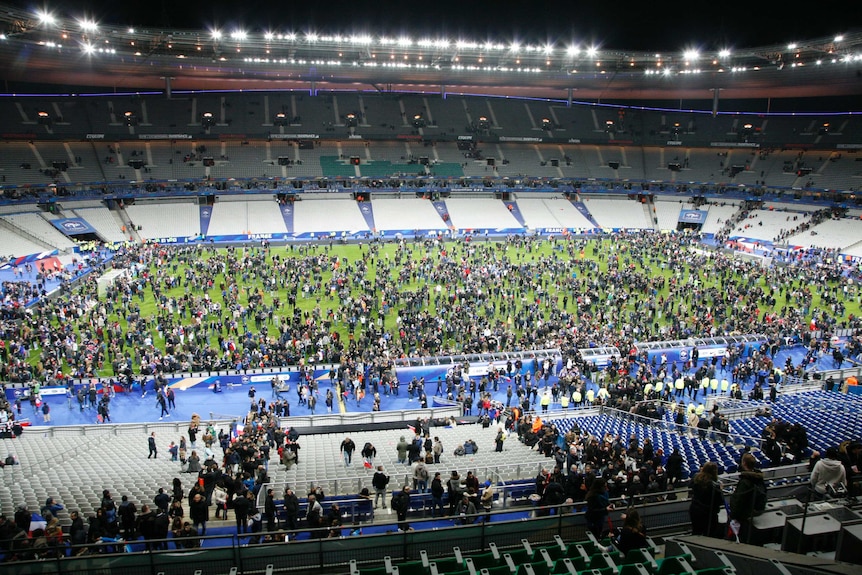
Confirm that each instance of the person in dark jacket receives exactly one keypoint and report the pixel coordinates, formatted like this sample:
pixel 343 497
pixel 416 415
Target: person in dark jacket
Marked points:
pixel 706 501
pixel 747 499
pixel 146 525
pixel 633 533
pixel 673 468
pixel 401 505
pixel 598 506
pixel 291 508
pixel 241 506
pixel 199 513
pixel 270 511
pixel 77 533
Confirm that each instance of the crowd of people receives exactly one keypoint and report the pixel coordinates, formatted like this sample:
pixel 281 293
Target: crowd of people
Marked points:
pixel 239 308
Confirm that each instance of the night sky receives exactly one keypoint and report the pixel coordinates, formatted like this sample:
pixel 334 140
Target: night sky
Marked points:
pixel 621 25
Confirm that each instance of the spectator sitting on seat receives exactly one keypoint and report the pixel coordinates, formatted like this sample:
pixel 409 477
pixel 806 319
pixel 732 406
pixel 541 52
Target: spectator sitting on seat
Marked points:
pixel 470 447
pixel 828 472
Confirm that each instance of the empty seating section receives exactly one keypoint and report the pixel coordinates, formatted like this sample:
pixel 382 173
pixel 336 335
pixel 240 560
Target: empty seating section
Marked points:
pixel 667 212
pixel 103 221
pixel 33 224
pixel 406 214
pixel 554 557
pixel 552 213
pixel 617 213
pixel 165 219
pixel 479 213
pixel 834 233
pixel 229 218
pixel 336 215
pixel 232 217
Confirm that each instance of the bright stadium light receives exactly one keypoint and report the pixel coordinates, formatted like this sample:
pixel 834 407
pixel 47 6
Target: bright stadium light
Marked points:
pixel 592 51
pixel 691 54
pixel 46 18
pixel 724 53
pixel 548 49
pixel 572 51
pixel 405 42
pixel 268 36
pixel 88 25
pixel 238 35
pixel 215 34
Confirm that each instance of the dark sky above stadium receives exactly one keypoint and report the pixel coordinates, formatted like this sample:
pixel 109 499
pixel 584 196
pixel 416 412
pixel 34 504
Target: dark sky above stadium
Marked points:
pixel 643 25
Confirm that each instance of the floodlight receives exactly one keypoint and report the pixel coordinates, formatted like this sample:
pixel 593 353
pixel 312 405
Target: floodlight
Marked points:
pixel 216 34
pixel 791 46
pixel 269 36
pixel 88 48
pixel 404 42
pixel 724 53
pixel 691 54
pixel 88 25
pixel 592 51
pixel 839 38
pixel 548 49
pixel 238 35
pixel 572 51
pixel 46 18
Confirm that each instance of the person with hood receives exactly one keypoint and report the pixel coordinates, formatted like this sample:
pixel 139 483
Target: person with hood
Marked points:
pixel 828 472
pixel 402 449
pixel 747 499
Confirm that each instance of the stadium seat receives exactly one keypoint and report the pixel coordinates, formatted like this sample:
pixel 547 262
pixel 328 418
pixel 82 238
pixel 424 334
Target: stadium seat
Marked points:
pixel 604 560
pixel 678 565
pixel 641 556
pixel 445 565
pixel 482 561
pixel 412 568
pixel 633 569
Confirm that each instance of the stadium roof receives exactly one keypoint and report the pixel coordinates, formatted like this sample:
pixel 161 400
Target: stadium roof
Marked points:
pixel 47 48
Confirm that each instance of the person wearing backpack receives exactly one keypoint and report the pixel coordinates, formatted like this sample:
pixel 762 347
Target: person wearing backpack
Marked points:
pixel 747 500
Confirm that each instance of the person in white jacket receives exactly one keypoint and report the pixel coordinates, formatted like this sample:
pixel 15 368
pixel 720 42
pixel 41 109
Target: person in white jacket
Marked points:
pixel 828 471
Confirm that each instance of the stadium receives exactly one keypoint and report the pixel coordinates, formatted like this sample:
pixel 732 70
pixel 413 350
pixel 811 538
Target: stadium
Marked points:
pixel 544 290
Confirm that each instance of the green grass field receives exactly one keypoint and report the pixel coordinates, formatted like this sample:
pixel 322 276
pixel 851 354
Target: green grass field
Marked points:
pixel 623 276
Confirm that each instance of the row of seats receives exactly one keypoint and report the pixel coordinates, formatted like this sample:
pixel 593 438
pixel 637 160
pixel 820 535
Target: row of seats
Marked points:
pixel 578 558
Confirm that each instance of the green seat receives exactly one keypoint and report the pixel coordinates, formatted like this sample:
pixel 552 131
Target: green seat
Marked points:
pixel 502 569
pixel 554 552
pixel 633 569
pixel 411 568
pixel 715 571
pixel 589 547
pixel 678 565
pixel 604 560
pixel 519 556
pixel 642 556
pixel 539 568
pixel 448 565
pixel 484 561
pixel 565 566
